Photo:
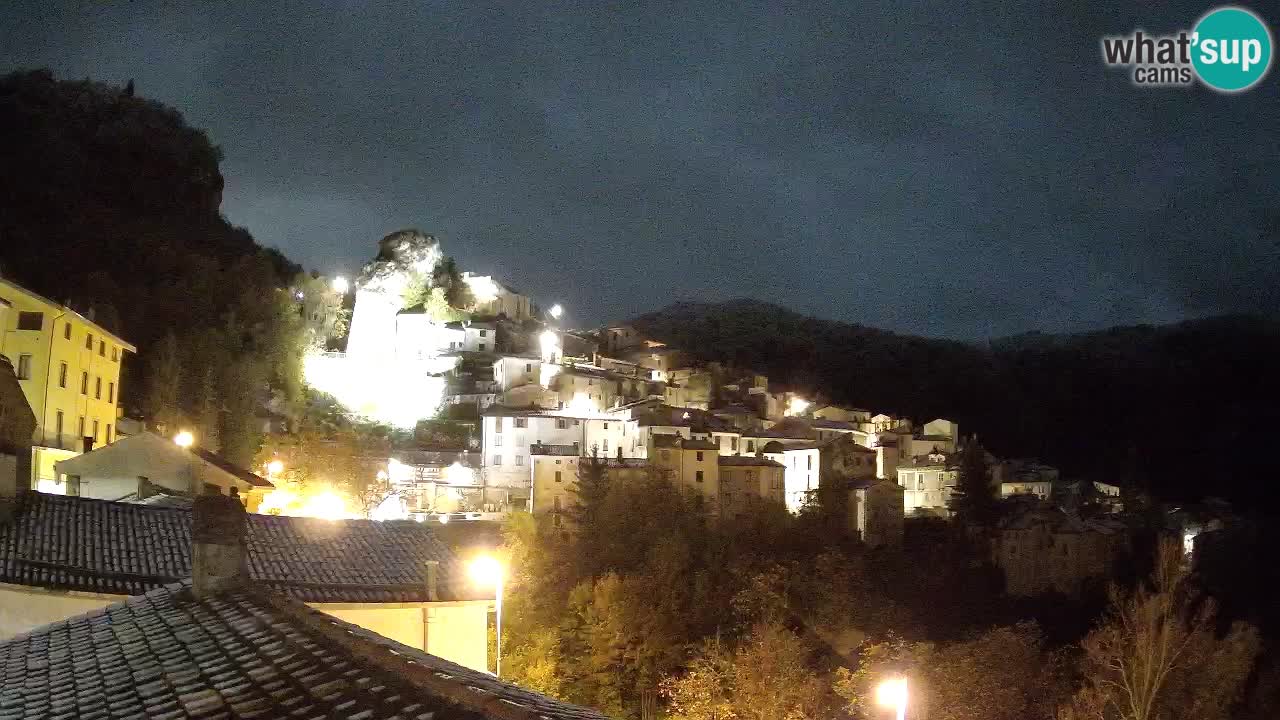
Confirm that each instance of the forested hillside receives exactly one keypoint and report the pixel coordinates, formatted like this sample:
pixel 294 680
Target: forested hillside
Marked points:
pixel 110 202
pixel 1184 409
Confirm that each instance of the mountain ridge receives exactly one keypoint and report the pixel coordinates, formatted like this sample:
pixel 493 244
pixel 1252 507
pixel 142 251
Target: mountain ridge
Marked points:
pixel 1163 406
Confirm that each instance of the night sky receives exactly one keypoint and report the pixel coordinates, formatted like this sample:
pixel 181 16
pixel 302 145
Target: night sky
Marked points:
pixel 965 174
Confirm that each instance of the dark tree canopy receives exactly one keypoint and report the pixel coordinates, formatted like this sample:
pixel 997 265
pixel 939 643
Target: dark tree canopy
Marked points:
pixel 1154 406
pixel 109 201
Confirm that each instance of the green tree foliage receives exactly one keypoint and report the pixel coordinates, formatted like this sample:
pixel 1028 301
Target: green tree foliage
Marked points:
pixel 457 293
pixel 1158 654
pixel 1001 674
pixel 768 676
pixel 330 452
pixel 202 302
pixel 974 500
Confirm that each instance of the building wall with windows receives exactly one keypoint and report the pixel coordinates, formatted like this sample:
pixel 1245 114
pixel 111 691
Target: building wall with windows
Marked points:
pixel 554 478
pixel 69 369
pixel 691 465
pixel 747 483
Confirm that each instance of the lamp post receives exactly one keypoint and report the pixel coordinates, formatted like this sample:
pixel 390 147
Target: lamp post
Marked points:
pixel 486 570
pixel 892 693
pixel 184 439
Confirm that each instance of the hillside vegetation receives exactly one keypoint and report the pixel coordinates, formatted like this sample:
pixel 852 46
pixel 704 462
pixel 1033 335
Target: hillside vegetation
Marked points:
pixel 109 202
pixel 1186 409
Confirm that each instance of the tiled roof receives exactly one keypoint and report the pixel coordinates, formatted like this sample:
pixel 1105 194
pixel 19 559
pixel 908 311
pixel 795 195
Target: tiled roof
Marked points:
pixel 243 653
pixel 748 460
pixel 230 468
pixel 122 548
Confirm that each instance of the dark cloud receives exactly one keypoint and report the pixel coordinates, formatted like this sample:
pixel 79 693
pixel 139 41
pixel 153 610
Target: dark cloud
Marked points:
pixel 958 169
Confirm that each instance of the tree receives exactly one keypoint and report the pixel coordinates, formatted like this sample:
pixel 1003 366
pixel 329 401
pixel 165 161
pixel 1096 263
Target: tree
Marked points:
pixel 705 691
pixel 974 501
pixel 1156 654
pixel 164 381
pixel 1001 674
pixel 768 677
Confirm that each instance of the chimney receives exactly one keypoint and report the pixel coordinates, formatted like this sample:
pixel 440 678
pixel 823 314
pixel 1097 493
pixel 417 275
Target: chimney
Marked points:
pixel 217 544
pixel 433 570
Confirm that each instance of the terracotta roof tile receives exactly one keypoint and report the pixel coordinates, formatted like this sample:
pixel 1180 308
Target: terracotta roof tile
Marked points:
pixel 243 653
pixel 122 548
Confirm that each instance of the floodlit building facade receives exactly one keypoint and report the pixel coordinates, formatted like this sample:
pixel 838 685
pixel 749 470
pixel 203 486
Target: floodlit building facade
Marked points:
pixel 927 482
pixel 69 369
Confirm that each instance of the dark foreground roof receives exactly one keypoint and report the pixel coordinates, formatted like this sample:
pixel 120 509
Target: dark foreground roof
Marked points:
pixel 243 653
pixel 121 548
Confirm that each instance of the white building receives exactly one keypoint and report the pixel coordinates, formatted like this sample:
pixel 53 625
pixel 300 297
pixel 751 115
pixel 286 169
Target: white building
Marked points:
pixel 803 468
pixel 927 482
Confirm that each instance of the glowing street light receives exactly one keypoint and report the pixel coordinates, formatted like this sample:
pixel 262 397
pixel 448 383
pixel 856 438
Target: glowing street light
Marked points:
pixel 184 439
pixel 486 570
pixel 556 311
pixel 275 467
pixel 340 285
pixel 892 693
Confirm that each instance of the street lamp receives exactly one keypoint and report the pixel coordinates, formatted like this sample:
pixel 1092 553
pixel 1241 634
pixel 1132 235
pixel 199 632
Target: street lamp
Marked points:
pixel 892 693
pixel 556 311
pixel 486 570
pixel 340 285
pixel 274 468
pixel 184 439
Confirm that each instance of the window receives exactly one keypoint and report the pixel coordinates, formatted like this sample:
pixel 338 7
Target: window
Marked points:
pixel 30 321
pixel 558 476
pixel 111 392
pixel 528 367
pixel 555 503
pixel 66 331
pixel 102 348
pixel 733 444
pixel 810 460
pixel 115 354
pixel 520 460
pixel 107 438
pixel 497 441
pixel 606 445
pixel 606 426
pixel 562 423
pixel 698 476
pixel 481 347
pixel 521 422
pixel 95 430
pixel 88 341
pixel 82 426
pixel 699 457
pixel 24 367
pixel 84 383
pixel 484 333
pixel 97 389
pixel 58 425
pixel 751 446
pixel 497 424
pixel 497 459
pixel 62 375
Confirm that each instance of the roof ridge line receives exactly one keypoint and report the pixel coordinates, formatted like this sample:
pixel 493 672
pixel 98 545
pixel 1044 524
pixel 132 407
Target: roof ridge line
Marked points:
pixel 384 656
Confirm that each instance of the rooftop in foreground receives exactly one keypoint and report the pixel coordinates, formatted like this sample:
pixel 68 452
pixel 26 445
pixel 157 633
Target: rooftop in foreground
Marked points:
pixel 100 546
pixel 243 653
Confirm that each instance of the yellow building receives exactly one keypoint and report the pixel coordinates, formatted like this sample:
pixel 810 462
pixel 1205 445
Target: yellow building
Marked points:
pixel 691 465
pixel 69 369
